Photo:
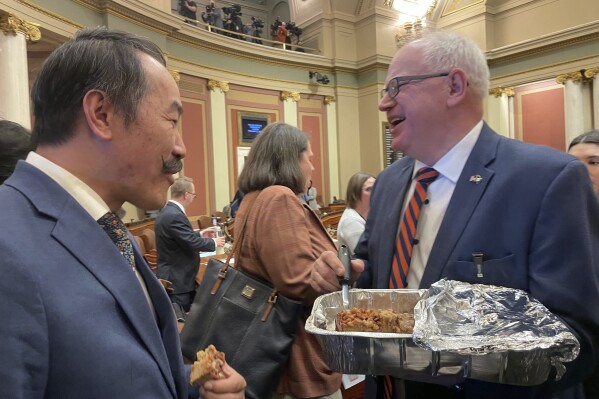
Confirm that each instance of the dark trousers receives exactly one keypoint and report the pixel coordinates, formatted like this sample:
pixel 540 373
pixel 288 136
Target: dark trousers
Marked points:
pixel 185 299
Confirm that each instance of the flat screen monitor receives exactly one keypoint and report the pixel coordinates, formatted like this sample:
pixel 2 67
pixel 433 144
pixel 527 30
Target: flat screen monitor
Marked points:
pixel 251 126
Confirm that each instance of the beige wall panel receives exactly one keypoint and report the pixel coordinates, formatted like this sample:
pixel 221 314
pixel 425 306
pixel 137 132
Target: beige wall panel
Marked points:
pixel 543 18
pixel 474 28
pixel 385 38
pixel 345 42
pixel 310 103
pixel 163 5
pixel 252 97
pixel 348 122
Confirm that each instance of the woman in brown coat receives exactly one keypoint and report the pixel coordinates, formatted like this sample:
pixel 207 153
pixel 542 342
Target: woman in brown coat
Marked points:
pixel 283 238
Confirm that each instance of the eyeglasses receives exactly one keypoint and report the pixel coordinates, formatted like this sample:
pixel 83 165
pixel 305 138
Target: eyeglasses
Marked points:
pixel 396 83
pixel 192 194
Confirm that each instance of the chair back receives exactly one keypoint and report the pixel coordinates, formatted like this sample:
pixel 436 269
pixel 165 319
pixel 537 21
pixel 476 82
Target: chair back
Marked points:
pixel 140 244
pixel 205 221
pixel 149 238
pixel 330 222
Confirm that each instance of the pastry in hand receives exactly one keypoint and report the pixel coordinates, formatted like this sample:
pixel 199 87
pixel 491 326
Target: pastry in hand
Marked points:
pixel 209 366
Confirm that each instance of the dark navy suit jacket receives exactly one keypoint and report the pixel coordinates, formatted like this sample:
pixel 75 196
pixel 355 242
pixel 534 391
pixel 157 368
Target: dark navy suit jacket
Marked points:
pixel 178 248
pixel 74 321
pixel 535 217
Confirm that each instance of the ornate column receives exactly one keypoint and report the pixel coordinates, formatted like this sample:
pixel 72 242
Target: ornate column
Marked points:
pixel 290 100
pixel 593 75
pixel 14 79
pixel 573 104
pixel 501 110
pixel 334 184
pixel 219 141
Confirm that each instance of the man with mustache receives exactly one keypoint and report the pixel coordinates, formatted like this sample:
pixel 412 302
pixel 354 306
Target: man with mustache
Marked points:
pixel 178 246
pixel 492 210
pixel 82 315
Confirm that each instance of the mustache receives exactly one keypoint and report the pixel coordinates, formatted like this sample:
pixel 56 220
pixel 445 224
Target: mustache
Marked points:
pixel 172 166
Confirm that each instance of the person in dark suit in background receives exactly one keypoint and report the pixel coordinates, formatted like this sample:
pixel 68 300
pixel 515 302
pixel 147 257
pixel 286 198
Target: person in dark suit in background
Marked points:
pixel 178 245
pixel 82 314
pixel 15 144
pixel 522 206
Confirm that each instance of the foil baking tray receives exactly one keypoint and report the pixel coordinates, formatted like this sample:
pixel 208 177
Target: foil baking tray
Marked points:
pixel 400 356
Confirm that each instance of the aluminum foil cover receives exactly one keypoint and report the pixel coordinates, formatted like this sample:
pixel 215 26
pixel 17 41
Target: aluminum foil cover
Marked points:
pixel 476 319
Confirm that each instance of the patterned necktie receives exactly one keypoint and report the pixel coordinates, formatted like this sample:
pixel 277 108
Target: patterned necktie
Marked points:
pixel 117 231
pixel 404 244
pixel 405 241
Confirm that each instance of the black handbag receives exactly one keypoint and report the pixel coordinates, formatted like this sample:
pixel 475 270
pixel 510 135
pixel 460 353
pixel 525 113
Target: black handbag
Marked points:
pixel 245 318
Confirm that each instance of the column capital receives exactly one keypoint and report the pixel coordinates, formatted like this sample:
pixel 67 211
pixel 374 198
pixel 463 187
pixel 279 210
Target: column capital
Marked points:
pixel 175 74
pixel 9 23
pixel 290 95
pixel 329 99
pixel 590 73
pixel 500 91
pixel 575 76
pixel 218 84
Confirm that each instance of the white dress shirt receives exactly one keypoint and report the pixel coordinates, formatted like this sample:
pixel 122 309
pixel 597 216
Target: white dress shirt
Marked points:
pixel 439 194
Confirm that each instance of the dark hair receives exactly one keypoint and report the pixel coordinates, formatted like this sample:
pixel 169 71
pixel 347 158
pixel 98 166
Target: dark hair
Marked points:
pixel 274 159
pixel 354 188
pixel 95 59
pixel 15 143
pixel 590 137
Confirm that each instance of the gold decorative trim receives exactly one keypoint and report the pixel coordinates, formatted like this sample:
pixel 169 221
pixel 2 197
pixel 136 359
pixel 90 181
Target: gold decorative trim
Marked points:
pixel 329 99
pixel 493 60
pixel 290 95
pixel 51 14
pixel 573 76
pixel 9 23
pixel 591 72
pixel 388 3
pixel 431 9
pixel 500 91
pixel 218 84
pixel 175 74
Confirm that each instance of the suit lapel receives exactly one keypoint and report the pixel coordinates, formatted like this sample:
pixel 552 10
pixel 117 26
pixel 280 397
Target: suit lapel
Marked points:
pixel 389 214
pixel 465 199
pixel 92 247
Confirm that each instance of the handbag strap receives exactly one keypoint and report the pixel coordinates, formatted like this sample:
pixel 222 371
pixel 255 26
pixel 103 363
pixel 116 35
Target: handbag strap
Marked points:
pixel 222 274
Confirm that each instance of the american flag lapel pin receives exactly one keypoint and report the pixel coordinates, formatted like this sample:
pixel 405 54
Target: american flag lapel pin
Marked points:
pixel 476 179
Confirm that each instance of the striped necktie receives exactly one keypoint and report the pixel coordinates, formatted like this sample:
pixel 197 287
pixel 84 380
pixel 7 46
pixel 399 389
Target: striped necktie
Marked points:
pixel 117 231
pixel 406 239
pixel 404 244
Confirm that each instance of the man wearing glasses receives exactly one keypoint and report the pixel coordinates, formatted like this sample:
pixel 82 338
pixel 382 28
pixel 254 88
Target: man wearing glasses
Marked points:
pixel 468 204
pixel 178 245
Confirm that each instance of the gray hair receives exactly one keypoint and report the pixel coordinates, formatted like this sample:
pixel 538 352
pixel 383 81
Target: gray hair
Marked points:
pixel 95 59
pixel 181 186
pixel 445 50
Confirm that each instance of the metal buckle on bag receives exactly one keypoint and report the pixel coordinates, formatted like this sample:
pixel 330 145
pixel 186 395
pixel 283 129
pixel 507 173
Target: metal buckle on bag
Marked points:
pixel 248 292
pixel 222 274
pixel 273 297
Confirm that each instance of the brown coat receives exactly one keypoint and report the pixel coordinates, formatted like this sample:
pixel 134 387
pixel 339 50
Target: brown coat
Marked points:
pixel 282 240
